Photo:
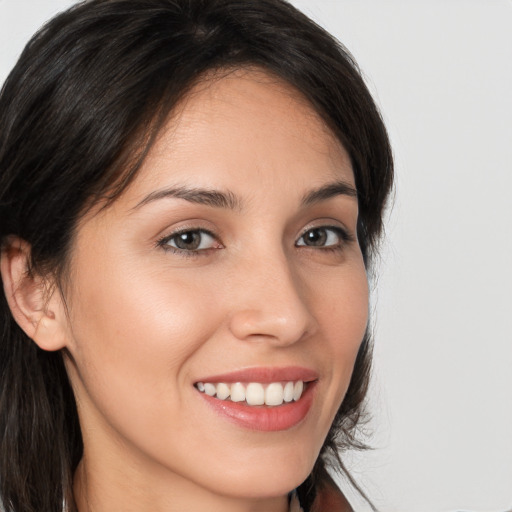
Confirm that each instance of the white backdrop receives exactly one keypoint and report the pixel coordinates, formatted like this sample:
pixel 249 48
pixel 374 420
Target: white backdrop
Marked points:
pixel 442 394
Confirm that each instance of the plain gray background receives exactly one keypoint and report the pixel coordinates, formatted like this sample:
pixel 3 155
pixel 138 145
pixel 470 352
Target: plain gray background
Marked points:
pixel 442 392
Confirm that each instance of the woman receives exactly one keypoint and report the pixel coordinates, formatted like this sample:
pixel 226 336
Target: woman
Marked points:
pixel 190 194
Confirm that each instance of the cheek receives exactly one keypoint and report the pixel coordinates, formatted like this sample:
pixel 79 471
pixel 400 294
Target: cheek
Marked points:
pixel 133 338
pixel 341 305
pixel 342 314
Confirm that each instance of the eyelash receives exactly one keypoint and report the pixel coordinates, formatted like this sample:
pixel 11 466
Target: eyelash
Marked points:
pixel 344 236
pixel 163 242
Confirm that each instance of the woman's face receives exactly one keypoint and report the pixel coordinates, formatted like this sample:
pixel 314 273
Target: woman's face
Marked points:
pixel 232 258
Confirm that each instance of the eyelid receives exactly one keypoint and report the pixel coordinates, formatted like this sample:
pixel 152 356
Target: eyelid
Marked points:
pixel 344 234
pixel 163 242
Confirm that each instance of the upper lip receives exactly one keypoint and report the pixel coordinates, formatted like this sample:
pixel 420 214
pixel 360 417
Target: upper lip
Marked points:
pixel 264 375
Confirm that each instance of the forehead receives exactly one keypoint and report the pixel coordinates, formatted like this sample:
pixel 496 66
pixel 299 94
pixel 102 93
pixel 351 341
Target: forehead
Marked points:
pixel 239 126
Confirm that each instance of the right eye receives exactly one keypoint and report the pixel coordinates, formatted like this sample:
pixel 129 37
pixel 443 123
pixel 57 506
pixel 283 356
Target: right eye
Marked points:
pixel 190 241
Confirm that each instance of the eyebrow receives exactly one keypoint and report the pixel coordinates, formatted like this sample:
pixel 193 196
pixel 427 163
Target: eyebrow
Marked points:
pixel 207 197
pixel 228 200
pixel 328 191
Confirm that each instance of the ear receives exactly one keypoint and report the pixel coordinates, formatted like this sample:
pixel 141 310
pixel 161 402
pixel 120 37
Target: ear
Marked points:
pixel 35 304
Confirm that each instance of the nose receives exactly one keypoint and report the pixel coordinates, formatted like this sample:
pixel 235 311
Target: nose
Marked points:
pixel 271 303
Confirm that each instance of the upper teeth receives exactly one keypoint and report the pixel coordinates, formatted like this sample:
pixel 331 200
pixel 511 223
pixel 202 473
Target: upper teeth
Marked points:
pixel 254 393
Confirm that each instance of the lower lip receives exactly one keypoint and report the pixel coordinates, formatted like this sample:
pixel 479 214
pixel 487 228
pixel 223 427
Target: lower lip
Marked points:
pixel 263 417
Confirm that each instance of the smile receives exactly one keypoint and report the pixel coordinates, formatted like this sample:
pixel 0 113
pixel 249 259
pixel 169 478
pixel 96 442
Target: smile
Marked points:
pixel 255 393
pixel 261 398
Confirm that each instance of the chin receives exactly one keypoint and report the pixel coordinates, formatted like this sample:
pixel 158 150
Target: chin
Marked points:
pixel 266 474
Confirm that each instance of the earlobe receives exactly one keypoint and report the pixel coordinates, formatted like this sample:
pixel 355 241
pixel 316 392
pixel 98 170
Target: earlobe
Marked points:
pixel 34 305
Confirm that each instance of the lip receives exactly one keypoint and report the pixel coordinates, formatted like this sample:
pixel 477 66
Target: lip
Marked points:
pixel 264 375
pixel 263 417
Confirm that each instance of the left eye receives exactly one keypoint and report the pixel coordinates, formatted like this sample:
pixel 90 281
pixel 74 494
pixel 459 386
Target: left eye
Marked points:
pixel 192 240
pixel 321 237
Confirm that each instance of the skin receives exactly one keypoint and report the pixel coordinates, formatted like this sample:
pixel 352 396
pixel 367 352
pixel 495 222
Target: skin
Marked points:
pixel 142 323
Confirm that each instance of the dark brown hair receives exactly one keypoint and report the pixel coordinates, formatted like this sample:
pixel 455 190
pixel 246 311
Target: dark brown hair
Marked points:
pixel 78 113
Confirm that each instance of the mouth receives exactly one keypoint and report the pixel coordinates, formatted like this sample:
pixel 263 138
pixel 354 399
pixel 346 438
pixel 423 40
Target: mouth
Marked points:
pixel 272 394
pixel 261 399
